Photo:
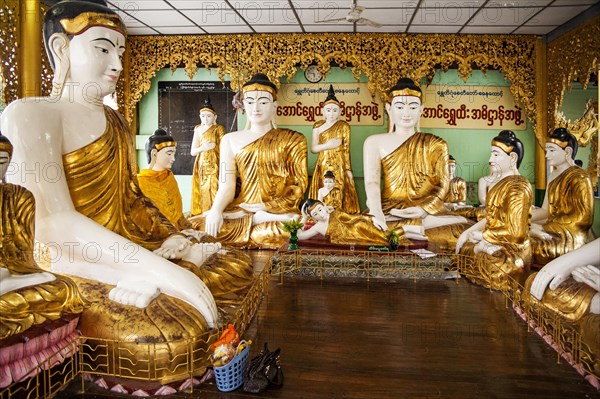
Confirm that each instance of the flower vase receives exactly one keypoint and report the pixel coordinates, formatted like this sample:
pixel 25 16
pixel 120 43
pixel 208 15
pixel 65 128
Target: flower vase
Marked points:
pixel 293 241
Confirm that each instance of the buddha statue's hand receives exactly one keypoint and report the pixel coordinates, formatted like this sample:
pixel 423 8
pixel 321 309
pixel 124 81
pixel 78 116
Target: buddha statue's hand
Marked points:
pixel 413 212
pixel 486 247
pixel 552 275
pixel 134 293
pixel 589 275
pixel 213 222
pixel 538 231
pixel 253 208
pixel 333 143
pixel 475 236
pixel 379 222
pixel 173 247
pixel 462 239
pixel 192 234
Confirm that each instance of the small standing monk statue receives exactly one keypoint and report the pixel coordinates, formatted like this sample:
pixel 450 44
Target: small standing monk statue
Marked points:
pixel 564 221
pixel 205 147
pixel 331 140
pixel 499 243
pixel 457 193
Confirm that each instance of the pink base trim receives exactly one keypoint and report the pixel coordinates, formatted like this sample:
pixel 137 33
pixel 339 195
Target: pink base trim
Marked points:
pixel 565 355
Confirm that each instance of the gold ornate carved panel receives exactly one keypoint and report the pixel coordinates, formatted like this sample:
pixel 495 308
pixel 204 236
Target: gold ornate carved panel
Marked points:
pixel 9 50
pixel 383 58
pixel 573 56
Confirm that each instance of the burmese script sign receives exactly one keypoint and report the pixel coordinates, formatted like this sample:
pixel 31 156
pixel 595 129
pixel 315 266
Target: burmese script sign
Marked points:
pixel 300 104
pixel 471 107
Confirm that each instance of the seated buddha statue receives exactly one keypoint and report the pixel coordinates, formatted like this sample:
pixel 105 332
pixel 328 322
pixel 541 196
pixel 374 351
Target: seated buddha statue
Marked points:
pixel 331 140
pixel 457 192
pixel 414 170
pixel 103 230
pixel 329 194
pixel 205 147
pixel 498 244
pixel 158 184
pixel 268 165
pixel 343 228
pixel 29 295
pixel 38 310
pixel 564 221
pixel 569 286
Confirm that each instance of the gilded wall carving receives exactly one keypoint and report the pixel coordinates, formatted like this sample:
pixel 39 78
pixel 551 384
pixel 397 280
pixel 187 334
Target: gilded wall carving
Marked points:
pixel 383 58
pixel 9 50
pixel 573 56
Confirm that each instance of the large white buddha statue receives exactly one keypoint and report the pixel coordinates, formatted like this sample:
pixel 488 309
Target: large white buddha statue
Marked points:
pixel 564 221
pixel 269 165
pixel 413 167
pixel 101 228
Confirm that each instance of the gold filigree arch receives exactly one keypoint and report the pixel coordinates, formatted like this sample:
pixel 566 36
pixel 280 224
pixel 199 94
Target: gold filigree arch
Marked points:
pixel 573 56
pixel 383 58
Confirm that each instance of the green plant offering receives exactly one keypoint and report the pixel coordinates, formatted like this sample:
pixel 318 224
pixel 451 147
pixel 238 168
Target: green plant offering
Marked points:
pixel 393 239
pixel 292 226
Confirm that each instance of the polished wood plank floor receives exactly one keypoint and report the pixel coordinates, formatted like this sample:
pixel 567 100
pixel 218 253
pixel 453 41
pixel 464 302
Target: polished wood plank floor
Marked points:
pixel 429 339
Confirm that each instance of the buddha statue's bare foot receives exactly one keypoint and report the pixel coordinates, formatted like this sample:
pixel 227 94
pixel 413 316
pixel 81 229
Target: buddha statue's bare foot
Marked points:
pixel 134 293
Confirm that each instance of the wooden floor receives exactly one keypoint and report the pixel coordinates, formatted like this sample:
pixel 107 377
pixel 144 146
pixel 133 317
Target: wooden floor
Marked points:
pixel 429 339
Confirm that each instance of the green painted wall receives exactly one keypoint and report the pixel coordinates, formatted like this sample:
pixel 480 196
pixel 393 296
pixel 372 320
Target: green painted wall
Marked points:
pixel 469 147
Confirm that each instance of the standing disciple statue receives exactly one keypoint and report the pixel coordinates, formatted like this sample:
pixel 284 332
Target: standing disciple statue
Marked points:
pixel 95 201
pixel 414 169
pixel 499 243
pixel 331 140
pixel 457 193
pixel 205 147
pixel 564 221
pixel 268 165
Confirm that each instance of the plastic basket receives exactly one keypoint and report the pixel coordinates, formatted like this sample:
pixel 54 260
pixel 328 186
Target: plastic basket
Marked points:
pixel 231 375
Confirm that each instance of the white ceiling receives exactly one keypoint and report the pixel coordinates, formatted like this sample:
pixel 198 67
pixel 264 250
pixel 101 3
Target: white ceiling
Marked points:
pixel 176 17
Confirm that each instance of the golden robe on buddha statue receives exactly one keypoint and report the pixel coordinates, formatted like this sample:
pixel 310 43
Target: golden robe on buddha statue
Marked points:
pixel 271 170
pixel 162 188
pixel 508 208
pixel 205 177
pixel 32 305
pixel 416 174
pixel 457 192
pixel 570 215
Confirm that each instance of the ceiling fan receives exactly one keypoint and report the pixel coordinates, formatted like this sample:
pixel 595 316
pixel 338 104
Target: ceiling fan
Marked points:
pixel 354 17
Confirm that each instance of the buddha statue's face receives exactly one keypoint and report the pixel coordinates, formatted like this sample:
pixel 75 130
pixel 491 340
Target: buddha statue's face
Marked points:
pixel 500 161
pixel 260 107
pixel 555 155
pixel 328 183
pixel 331 112
pixel 319 213
pixel 208 118
pixel 95 61
pixel 452 168
pixel 405 111
pixel 164 159
pixel 4 161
